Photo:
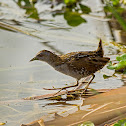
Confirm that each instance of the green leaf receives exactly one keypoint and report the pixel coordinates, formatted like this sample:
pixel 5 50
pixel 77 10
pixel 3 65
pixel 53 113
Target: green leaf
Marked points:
pixel 121 65
pixel 106 76
pixel 120 123
pixel 29 6
pixel 87 124
pixel 110 66
pixel 122 57
pixel 115 2
pixel 121 21
pixel 70 2
pixel 116 125
pixel 73 18
pixel 85 9
pixel 118 66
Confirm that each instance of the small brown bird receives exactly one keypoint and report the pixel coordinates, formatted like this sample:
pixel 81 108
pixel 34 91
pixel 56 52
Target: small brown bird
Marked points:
pixel 75 64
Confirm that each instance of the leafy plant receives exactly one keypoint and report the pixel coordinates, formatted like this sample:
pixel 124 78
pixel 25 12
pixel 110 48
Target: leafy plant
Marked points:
pixel 87 124
pixel 73 18
pixel 121 65
pixel 120 123
pixel 114 3
pixel 114 7
pixel 29 6
pixel 72 11
pixel 70 2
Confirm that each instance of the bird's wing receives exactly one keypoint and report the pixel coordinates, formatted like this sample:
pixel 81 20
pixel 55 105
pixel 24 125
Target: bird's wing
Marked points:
pixel 75 55
pixel 87 61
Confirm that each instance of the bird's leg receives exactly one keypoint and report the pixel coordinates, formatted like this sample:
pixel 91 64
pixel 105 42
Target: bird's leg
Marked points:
pixel 85 81
pixel 86 87
pixel 68 87
pixel 63 87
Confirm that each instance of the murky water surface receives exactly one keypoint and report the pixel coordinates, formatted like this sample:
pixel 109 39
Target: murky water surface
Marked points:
pixel 20 78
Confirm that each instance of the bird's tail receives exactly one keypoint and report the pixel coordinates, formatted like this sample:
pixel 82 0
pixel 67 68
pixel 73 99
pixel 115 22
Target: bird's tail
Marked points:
pixel 99 50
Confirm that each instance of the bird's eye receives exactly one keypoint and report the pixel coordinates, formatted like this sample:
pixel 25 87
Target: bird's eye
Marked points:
pixel 40 55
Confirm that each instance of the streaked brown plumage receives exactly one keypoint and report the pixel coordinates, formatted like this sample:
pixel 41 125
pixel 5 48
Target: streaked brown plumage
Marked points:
pixel 75 64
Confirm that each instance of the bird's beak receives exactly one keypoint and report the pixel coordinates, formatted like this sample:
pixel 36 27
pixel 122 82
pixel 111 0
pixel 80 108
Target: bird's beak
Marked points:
pixel 35 58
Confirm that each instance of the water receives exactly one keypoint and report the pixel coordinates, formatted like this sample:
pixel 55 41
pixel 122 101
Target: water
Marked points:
pixel 20 78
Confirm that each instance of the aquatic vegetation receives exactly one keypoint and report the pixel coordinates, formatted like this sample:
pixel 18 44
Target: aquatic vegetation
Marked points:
pixel 120 66
pixel 29 6
pixel 120 123
pixel 70 9
pixel 115 10
pixel 87 124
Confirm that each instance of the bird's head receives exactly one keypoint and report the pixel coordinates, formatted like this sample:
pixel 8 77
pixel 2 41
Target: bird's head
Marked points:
pixel 43 55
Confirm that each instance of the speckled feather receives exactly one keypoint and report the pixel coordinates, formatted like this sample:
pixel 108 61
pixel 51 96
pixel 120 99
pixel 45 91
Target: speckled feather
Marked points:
pixel 83 63
pixel 76 64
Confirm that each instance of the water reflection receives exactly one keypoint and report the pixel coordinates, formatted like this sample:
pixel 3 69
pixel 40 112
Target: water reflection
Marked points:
pixel 60 104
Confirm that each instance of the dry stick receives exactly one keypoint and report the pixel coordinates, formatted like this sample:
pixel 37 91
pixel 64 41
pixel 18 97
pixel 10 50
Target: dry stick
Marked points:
pixel 96 109
pixel 17 29
pixel 90 113
pixel 62 88
pixel 67 87
pixel 114 109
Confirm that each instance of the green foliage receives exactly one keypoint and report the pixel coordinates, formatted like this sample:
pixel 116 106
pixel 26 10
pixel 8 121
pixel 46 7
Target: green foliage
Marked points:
pixel 115 2
pixel 87 124
pixel 70 2
pixel 121 21
pixel 120 123
pixel 114 7
pixel 119 10
pixel 121 65
pixel 106 76
pixel 85 9
pixel 73 18
pixel 29 6
pixel 122 57
pixel 71 10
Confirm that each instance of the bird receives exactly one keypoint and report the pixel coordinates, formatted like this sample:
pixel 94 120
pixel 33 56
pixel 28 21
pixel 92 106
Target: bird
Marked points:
pixel 75 64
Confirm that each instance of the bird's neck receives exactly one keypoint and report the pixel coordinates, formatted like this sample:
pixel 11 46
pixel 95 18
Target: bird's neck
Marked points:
pixel 53 59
